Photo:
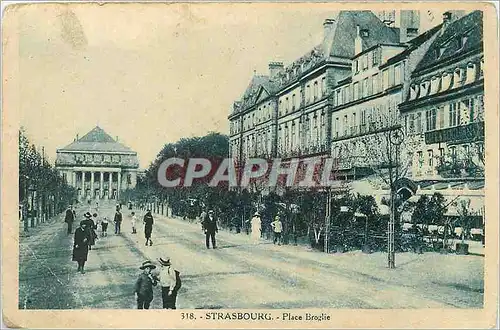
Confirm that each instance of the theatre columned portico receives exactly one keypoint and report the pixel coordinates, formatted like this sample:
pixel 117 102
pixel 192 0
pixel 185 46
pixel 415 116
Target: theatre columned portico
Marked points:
pixel 98 166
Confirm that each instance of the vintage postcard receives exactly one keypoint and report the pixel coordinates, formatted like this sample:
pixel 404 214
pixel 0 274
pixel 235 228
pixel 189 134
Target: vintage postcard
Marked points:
pixel 250 165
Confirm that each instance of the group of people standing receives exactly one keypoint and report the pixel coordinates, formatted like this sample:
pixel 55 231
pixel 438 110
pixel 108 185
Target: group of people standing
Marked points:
pixel 168 277
pixel 256 227
pixel 85 235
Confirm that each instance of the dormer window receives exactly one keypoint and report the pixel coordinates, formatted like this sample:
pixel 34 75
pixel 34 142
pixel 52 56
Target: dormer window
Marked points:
pixel 364 33
pixel 457 78
pixel 445 81
pixel 481 66
pixel 461 41
pixel 435 85
pixel 471 73
pixel 440 51
pixel 424 88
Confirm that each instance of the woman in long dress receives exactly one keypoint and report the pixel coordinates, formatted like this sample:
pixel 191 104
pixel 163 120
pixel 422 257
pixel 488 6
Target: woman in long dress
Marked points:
pixel 256 227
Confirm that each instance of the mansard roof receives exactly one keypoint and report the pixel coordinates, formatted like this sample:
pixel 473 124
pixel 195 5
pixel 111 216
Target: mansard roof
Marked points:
pixel 447 45
pixel 97 140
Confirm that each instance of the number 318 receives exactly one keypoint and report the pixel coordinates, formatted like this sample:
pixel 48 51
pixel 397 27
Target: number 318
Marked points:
pixel 187 316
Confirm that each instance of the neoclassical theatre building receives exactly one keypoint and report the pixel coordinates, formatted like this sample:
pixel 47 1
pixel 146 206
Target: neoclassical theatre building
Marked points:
pixel 98 165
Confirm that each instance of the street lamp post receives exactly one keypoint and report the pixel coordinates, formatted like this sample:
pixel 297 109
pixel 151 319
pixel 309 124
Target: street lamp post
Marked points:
pixel 396 137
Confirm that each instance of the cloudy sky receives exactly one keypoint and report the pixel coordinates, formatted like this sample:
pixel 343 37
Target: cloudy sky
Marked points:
pixel 152 73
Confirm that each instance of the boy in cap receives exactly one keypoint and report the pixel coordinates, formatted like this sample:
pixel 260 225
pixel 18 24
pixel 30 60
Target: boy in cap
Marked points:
pixel 277 229
pixel 144 285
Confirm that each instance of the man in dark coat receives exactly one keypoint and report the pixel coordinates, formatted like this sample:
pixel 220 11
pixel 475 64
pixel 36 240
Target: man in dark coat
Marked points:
pixel 118 220
pixel 148 227
pixel 210 228
pixel 90 229
pixel 69 219
pixel 81 246
pixel 144 285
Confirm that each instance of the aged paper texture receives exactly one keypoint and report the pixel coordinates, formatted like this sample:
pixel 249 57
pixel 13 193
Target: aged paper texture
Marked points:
pixel 250 165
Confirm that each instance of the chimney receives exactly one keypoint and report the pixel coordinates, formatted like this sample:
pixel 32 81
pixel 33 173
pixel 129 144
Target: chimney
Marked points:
pixel 328 34
pixel 76 137
pixel 117 138
pixel 452 15
pixel 409 25
pixel 275 68
pixel 358 42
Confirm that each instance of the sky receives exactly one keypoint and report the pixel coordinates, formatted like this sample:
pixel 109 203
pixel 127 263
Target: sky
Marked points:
pixel 151 73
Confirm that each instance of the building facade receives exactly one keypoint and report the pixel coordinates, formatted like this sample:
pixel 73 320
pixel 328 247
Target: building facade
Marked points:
pixel 98 166
pixel 369 77
pixel 443 113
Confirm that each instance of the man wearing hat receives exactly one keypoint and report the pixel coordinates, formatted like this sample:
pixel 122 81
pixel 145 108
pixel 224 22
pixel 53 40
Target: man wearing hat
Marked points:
pixel 89 229
pixel 69 219
pixel 170 283
pixel 118 220
pixel 210 228
pixel 144 285
pixel 81 246
pixel 148 227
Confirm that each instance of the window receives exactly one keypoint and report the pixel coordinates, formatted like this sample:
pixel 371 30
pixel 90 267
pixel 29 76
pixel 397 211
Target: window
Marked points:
pixel 293 101
pixel 356 91
pixel 454 115
pixel 420 158
pixel 316 91
pixel 375 57
pixel 418 122
pixel 430 158
pixel 397 74
pixel 481 66
pixel 391 76
pixel 466 149
pixel 339 97
pixel 353 124
pixel 323 85
pixel 471 106
pixel 385 76
pixel 356 66
pixel 441 116
pixel 365 61
pixel 287 105
pixel 308 93
pixel 365 87
pixel 453 151
pixel 430 120
pixel 336 127
pixel 363 121
pixel 441 155
pixel 345 125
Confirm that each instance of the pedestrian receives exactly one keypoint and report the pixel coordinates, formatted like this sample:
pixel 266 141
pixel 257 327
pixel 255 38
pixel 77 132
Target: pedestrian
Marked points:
pixel 104 226
pixel 133 222
pixel 89 228
pixel 144 285
pixel 256 227
pixel 69 219
pixel 210 228
pixel 277 227
pixel 81 246
pixel 118 220
pixel 148 227
pixel 170 283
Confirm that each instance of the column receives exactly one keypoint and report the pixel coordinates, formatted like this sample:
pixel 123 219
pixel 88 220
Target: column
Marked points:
pixel 110 190
pixel 92 184
pixel 118 185
pixel 83 183
pixel 101 186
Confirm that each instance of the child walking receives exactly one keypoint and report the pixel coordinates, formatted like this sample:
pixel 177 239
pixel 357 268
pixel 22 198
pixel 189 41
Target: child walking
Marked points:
pixel 104 227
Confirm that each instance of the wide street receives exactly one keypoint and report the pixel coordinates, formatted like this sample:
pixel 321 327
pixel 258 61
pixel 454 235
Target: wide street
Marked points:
pixel 238 274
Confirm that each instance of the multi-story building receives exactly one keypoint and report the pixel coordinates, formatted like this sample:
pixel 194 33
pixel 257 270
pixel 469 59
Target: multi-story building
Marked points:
pixel 97 165
pixel 287 114
pixel 443 112
pixel 365 105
